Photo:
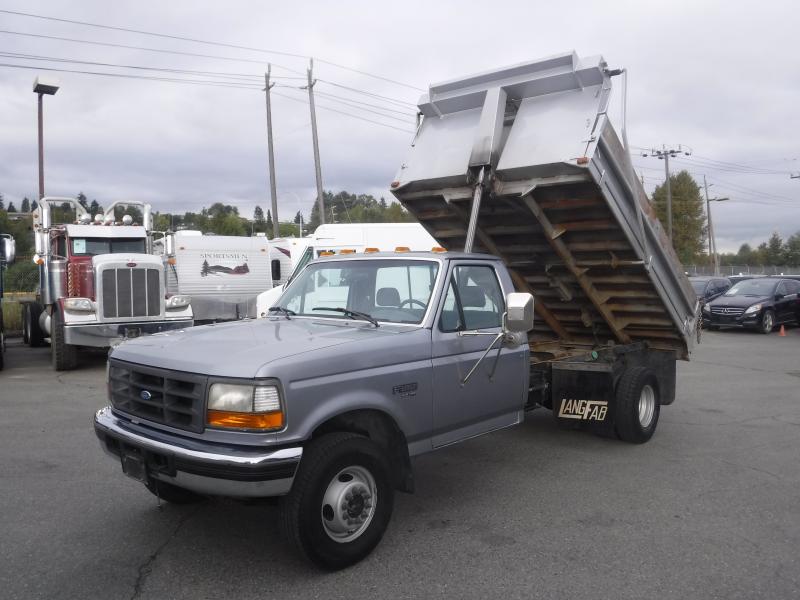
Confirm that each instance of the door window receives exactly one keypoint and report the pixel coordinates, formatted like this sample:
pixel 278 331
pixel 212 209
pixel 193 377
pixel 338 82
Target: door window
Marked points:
pixel 474 300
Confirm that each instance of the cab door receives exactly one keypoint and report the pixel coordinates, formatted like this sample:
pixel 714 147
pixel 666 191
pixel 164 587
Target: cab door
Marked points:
pixel 495 394
pixel 784 302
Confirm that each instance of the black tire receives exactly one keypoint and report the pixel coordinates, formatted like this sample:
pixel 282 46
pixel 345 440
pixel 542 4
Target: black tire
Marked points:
pixel 26 337
pixel 35 333
pixel 325 462
pixel 630 424
pixel 65 356
pixel 172 493
pixel 767 322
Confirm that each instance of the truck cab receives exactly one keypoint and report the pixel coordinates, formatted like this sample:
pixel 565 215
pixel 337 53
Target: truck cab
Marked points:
pixel 98 283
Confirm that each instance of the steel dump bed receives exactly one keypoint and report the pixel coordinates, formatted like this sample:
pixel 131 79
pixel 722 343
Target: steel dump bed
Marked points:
pixel 558 202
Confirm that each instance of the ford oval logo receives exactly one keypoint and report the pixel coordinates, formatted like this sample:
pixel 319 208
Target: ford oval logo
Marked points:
pixel 145 395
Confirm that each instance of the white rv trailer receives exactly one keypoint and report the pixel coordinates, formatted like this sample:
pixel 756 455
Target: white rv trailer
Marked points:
pixel 335 237
pixel 222 274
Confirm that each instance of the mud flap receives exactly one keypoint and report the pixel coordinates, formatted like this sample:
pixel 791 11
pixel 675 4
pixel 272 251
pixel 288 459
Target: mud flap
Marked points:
pixel 583 396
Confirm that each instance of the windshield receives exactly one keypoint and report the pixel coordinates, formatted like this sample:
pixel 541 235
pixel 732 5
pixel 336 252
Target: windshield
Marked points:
pixel 396 291
pixel 753 287
pixel 699 286
pixel 95 246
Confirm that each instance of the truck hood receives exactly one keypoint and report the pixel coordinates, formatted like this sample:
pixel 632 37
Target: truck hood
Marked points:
pixel 247 348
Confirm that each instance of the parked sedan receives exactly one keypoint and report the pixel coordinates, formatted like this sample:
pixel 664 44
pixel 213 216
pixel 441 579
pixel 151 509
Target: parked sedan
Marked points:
pixel 708 288
pixel 759 304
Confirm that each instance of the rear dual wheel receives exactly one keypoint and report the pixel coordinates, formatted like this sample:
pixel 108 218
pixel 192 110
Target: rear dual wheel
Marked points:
pixel 638 405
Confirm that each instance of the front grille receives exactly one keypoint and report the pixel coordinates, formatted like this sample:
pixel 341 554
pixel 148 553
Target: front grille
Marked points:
pixel 730 311
pixel 131 292
pixel 168 397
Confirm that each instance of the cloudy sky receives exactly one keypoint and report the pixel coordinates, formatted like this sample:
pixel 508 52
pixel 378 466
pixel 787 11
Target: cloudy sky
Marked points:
pixel 722 78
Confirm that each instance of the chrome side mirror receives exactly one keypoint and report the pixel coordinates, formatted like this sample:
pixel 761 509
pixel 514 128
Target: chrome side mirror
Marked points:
pixel 519 312
pixel 9 249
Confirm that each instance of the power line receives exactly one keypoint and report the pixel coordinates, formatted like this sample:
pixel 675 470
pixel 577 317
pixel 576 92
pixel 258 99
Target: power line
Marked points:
pixel 146 49
pixel 354 101
pixel 237 76
pixel 211 43
pixel 407 121
pixel 225 84
pixel 366 93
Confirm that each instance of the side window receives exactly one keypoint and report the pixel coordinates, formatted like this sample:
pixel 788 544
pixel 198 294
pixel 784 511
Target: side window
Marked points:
pixel 781 289
pixel 723 285
pixel 794 287
pixel 474 300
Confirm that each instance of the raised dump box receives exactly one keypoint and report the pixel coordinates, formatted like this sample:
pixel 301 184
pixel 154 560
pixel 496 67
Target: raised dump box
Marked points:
pixel 532 149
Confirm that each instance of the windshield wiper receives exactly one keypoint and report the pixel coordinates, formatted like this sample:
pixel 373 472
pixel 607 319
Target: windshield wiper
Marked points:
pixel 351 313
pixel 281 309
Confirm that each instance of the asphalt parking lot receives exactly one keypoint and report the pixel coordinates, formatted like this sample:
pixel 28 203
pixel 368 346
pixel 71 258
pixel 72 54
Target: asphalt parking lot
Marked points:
pixel 710 508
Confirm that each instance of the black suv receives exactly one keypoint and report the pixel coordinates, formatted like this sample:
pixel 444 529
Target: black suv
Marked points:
pixel 755 303
pixel 708 288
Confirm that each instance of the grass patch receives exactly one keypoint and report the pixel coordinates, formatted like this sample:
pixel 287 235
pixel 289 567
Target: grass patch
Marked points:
pixel 12 315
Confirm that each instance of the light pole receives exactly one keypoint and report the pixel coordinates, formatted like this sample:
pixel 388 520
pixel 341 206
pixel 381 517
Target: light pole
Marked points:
pixel 665 154
pixel 712 242
pixel 42 86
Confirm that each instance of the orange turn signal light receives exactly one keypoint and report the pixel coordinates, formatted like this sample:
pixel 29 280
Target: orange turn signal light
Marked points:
pixel 583 160
pixel 347 251
pixel 241 420
pixel 402 249
pixel 368 250
pixel 171 261
pixel 326 253
pixel 438 249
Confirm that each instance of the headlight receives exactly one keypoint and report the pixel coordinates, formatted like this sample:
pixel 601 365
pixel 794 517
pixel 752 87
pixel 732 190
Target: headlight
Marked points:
pixel 240 406
pixel 79 304
pixel 753 309
pixel 178 301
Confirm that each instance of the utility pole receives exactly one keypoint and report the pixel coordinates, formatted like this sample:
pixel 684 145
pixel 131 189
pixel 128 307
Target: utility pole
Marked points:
pixel 712 242
pixel 273 190
pixel 317 168
pixel 664 154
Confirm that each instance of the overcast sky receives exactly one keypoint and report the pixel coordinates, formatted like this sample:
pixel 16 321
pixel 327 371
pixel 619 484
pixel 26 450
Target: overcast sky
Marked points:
pixel 722 78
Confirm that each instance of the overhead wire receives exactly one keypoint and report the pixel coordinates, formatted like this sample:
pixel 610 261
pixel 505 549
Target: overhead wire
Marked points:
pixel 211 43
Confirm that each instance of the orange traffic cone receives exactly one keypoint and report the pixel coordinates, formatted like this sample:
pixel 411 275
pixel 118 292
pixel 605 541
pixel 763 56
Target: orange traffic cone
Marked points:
pixel 783 331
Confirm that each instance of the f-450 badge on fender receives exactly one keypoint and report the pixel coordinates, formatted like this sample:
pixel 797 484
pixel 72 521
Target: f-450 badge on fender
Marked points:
pixel 586 410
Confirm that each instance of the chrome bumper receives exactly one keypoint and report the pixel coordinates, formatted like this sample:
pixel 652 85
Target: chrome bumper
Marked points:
pixel 102 335
pixel 203 467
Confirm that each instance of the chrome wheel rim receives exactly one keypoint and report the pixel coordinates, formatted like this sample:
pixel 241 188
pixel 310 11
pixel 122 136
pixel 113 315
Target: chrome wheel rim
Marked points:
pixel 647 406
pixel 349 503
pixel 768 322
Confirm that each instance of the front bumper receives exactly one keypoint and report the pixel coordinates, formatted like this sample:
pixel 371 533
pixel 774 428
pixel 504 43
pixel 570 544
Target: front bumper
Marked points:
pixel 102 335
pixel 199 466
pixel 752 320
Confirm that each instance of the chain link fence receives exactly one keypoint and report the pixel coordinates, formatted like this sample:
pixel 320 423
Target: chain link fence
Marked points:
pixel 726 270
pixel 20 282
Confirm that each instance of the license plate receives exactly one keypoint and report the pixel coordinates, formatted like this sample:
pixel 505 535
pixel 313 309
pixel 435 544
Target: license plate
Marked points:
pixel 134 466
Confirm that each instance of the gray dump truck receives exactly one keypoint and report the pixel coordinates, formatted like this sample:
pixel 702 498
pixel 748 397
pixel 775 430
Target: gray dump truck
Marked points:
pixel 369 359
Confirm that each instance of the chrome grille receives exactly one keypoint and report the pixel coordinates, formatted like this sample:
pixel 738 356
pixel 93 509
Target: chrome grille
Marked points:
pixel 730 311
pixel 131 292
pixel 168 397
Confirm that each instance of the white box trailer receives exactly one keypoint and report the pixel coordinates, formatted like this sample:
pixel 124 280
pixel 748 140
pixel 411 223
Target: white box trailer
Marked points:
pixel 223 275
pixel 335 237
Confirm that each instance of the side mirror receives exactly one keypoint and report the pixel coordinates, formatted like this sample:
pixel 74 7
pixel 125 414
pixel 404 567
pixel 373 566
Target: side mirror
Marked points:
pixel 519 312
pixel 9 249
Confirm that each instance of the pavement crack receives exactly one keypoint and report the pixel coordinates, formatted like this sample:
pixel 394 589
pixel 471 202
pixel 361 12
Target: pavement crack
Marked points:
pixel 146 567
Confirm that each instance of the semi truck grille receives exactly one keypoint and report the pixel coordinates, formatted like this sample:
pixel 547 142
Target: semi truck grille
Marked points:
pixel 131 293
pixel 168 397
pixel 730 311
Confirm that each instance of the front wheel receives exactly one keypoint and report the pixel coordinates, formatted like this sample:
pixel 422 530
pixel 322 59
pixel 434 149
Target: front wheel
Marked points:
pixel 638 405
pixel 65 356
pixel 341 500
pixel 767 322
pixel 35 336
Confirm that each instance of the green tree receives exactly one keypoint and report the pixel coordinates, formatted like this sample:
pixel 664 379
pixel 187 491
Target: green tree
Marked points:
pixel 270 224
pixel 298 218
pixel 26 205
pixel 82 200
pixel 259 223
pixel 2 204
pixel 745 255
pixel 688 217
pixel 11 207
pixel 95 208
pixel 775 250
pixel 792 251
